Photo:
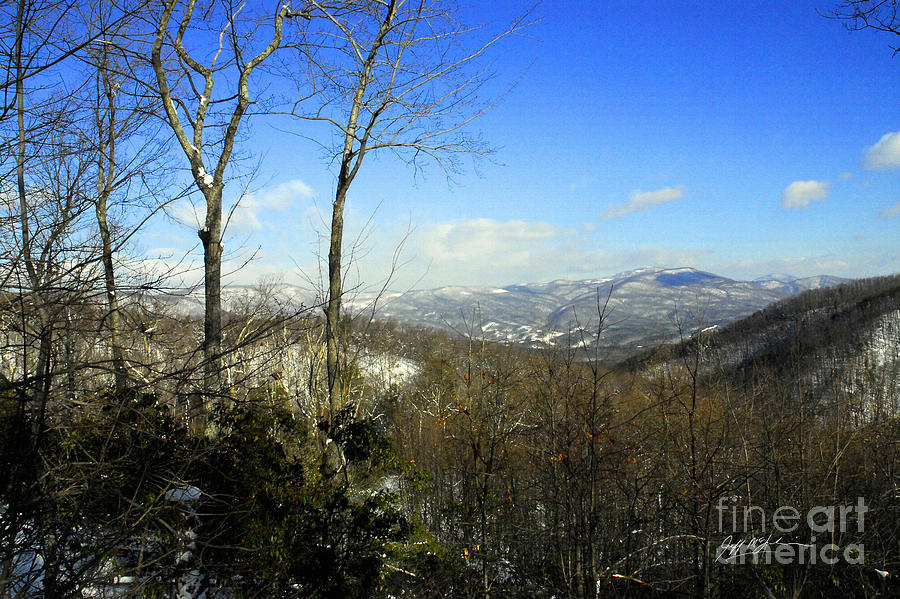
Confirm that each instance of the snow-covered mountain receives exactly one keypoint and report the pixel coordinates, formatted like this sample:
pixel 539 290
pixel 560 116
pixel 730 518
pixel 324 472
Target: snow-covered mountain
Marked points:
pixel 795 285
pixel 645 306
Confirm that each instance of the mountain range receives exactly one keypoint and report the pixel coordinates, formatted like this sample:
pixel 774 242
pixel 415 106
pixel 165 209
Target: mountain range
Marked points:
pixel 642 307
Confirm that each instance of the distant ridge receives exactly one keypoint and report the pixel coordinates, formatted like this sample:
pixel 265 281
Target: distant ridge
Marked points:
pixel 645 306
pixel 826 343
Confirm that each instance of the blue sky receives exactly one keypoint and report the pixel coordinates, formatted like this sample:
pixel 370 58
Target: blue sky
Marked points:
pixel 743 138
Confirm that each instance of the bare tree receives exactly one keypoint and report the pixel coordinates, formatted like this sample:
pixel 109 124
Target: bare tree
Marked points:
pixel 43 178
pixel 106 180
pixel 206 126
pixel 119 113
pixel 46 24
pixel 399 75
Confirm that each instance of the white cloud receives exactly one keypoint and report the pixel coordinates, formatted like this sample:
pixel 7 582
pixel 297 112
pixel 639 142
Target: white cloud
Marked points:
pixel 884 155
pixel 251 206
pixel 798 266
pixel 665 257
pixel 644 200
pixel 891 211
pixel 509 243
pixel 186 213
pixel 489 252
pixel 282 195
pixel 175 270
pixel 800 193
pixel 244 216
pixel 484 251
pixel 278 198
pixel 237 272
pixel 589 262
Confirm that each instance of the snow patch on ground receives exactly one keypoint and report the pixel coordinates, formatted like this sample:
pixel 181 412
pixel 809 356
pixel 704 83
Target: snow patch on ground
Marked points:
pixel 884 341
pixel 387 370
pixel 183 494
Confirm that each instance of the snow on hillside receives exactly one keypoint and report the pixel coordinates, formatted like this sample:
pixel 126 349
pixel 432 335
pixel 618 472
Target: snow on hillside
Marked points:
pixel 385 370
pixel 646 305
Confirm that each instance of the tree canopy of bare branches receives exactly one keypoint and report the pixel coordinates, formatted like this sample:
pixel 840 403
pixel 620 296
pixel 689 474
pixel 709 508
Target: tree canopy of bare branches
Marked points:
pixel 403 76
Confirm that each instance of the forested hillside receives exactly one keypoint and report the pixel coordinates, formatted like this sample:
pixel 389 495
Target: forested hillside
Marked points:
pixel 458 467
pixel 834 344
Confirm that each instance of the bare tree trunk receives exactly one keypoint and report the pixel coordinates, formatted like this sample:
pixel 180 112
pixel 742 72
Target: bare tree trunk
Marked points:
pixel 120 110
pixel 41 384
pixel 402 89
pixel 106 158
pixel 333 308
pixel 211 235
pixel 113 319
pixel 351 159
